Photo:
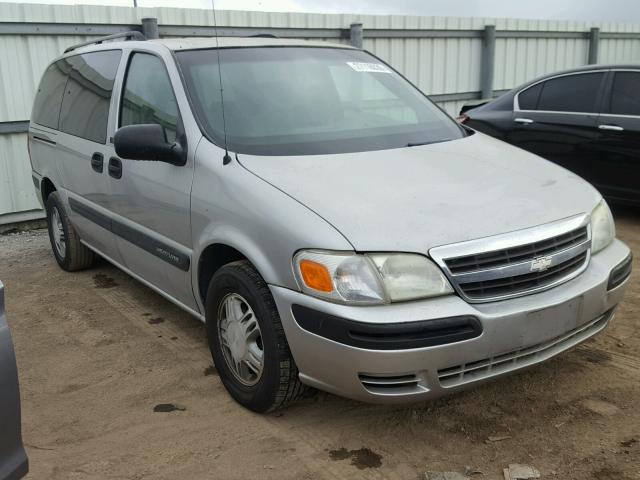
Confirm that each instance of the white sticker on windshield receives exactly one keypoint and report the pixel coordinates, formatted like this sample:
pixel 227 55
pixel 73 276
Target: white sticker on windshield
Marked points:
pixel 368 67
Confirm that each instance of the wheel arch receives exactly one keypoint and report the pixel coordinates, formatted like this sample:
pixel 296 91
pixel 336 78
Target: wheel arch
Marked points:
pixel 218 253
pixel 213 258
pixel 47 187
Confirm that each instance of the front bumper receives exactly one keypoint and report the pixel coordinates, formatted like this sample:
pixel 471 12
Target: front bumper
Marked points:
pixel 516 333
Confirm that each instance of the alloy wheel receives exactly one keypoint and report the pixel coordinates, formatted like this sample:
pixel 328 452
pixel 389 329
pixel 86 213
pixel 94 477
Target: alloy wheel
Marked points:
pixel 241 339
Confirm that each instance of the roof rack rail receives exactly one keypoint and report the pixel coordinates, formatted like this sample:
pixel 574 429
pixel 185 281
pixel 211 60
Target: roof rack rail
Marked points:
pixel 263 35
pixel 131 35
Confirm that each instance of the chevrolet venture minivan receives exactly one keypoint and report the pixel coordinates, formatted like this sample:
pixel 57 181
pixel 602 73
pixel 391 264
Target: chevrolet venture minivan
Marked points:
pixel 330 225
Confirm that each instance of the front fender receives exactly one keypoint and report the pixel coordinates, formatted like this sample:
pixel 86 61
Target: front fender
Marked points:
pixel 232 206
pixel 230 235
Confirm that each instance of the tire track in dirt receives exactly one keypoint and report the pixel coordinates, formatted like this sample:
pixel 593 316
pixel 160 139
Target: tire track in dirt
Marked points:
pixel 170 334
pixel 615 359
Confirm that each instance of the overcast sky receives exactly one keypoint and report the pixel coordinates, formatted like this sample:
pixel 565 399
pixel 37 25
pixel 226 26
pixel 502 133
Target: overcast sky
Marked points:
pixel 591 10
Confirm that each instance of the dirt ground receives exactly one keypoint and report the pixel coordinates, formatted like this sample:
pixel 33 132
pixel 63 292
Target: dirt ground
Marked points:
pixel 97 352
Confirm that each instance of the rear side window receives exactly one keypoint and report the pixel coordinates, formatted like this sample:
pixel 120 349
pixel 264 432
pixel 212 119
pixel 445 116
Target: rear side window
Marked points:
pixel 625 94
pixel 148 96
pixel 528 99
pixel 571 93
pixel 46 107
pixel 85 105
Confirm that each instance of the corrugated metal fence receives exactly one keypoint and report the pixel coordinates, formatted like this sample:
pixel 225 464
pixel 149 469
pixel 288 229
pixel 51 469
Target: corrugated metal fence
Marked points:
pixel 452 59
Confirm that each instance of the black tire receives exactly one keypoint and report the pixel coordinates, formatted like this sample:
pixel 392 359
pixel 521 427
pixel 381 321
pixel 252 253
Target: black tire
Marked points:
pixel 278 384
pixel 75 255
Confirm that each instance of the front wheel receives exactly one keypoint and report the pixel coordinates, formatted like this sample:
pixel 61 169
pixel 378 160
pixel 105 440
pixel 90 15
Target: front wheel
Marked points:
pixel 247 340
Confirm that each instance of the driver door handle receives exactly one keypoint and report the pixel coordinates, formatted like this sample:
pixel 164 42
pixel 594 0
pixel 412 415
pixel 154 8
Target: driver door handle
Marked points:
pixel 97 162
pixel 523 121
pixel 614 128
pixel 115 167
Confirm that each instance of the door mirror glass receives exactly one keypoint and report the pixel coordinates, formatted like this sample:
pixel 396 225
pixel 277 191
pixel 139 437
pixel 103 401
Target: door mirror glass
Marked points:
pixel 147 142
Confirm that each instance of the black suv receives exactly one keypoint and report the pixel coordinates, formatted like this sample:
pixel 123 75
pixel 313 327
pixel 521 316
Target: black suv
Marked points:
pixel 586 119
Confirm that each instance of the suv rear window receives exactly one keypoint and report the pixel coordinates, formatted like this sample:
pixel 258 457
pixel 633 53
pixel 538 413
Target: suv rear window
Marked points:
pixel 86 101
pixel 46 107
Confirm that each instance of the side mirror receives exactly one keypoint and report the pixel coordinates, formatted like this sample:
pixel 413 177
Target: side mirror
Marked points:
pixel 147 142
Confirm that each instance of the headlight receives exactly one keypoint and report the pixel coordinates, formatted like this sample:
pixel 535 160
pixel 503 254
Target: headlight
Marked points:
pixel 368 279
pixel 603 229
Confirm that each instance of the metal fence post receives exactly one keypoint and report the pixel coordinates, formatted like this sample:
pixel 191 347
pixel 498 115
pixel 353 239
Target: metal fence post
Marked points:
pixel 355 35
pixel 488 61
pixel 594 44
pixel 150 28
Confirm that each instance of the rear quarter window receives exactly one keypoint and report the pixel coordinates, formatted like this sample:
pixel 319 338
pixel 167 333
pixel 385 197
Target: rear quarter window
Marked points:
pixel 87 96
pixel 528 99
pixel 46 107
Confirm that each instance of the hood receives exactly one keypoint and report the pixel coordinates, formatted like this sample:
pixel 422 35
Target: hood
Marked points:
pixel 413 199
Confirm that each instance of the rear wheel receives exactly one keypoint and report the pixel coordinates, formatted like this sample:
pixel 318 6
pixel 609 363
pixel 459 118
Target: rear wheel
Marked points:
pixel 247 340
pixel 70 254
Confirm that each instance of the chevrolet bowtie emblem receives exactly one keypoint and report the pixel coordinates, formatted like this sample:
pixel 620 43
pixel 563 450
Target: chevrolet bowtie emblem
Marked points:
pixel 540 264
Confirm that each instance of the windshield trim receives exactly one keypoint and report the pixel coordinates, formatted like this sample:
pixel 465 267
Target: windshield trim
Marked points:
pixel 463 131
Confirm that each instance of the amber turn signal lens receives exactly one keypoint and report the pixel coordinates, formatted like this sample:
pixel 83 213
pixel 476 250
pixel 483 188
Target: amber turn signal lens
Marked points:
pixel 316 276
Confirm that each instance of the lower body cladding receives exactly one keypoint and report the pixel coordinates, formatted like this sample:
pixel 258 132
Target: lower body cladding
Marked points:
pixel 426 349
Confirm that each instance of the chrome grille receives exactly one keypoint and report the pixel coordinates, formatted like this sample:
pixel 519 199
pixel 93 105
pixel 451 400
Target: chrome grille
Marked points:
pixel 517 254
pixel 520 283
pixel 517 263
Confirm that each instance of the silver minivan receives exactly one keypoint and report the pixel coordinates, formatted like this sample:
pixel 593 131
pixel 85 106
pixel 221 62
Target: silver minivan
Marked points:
pixel 330 225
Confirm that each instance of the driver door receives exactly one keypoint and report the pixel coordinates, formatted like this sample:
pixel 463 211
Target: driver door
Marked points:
pixel 151 199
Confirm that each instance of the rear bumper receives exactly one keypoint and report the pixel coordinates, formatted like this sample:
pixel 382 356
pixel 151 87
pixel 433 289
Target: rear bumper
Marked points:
pixel 515 333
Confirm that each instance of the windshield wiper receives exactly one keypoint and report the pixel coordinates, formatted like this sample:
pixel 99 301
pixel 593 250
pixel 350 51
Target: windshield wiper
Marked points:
pixel 419 144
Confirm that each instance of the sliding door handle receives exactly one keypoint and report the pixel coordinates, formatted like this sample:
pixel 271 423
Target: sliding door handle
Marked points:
pixel 613 128
pixel 97 162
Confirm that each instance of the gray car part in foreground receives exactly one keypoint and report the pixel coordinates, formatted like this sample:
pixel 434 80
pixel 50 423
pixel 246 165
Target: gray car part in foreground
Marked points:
pixel 13 459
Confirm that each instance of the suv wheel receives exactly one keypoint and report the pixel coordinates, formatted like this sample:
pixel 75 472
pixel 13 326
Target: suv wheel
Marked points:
pixel 70 254
pixel 247 340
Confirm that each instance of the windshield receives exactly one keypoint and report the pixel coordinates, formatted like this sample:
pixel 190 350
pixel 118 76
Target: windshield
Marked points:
pixel 306 101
